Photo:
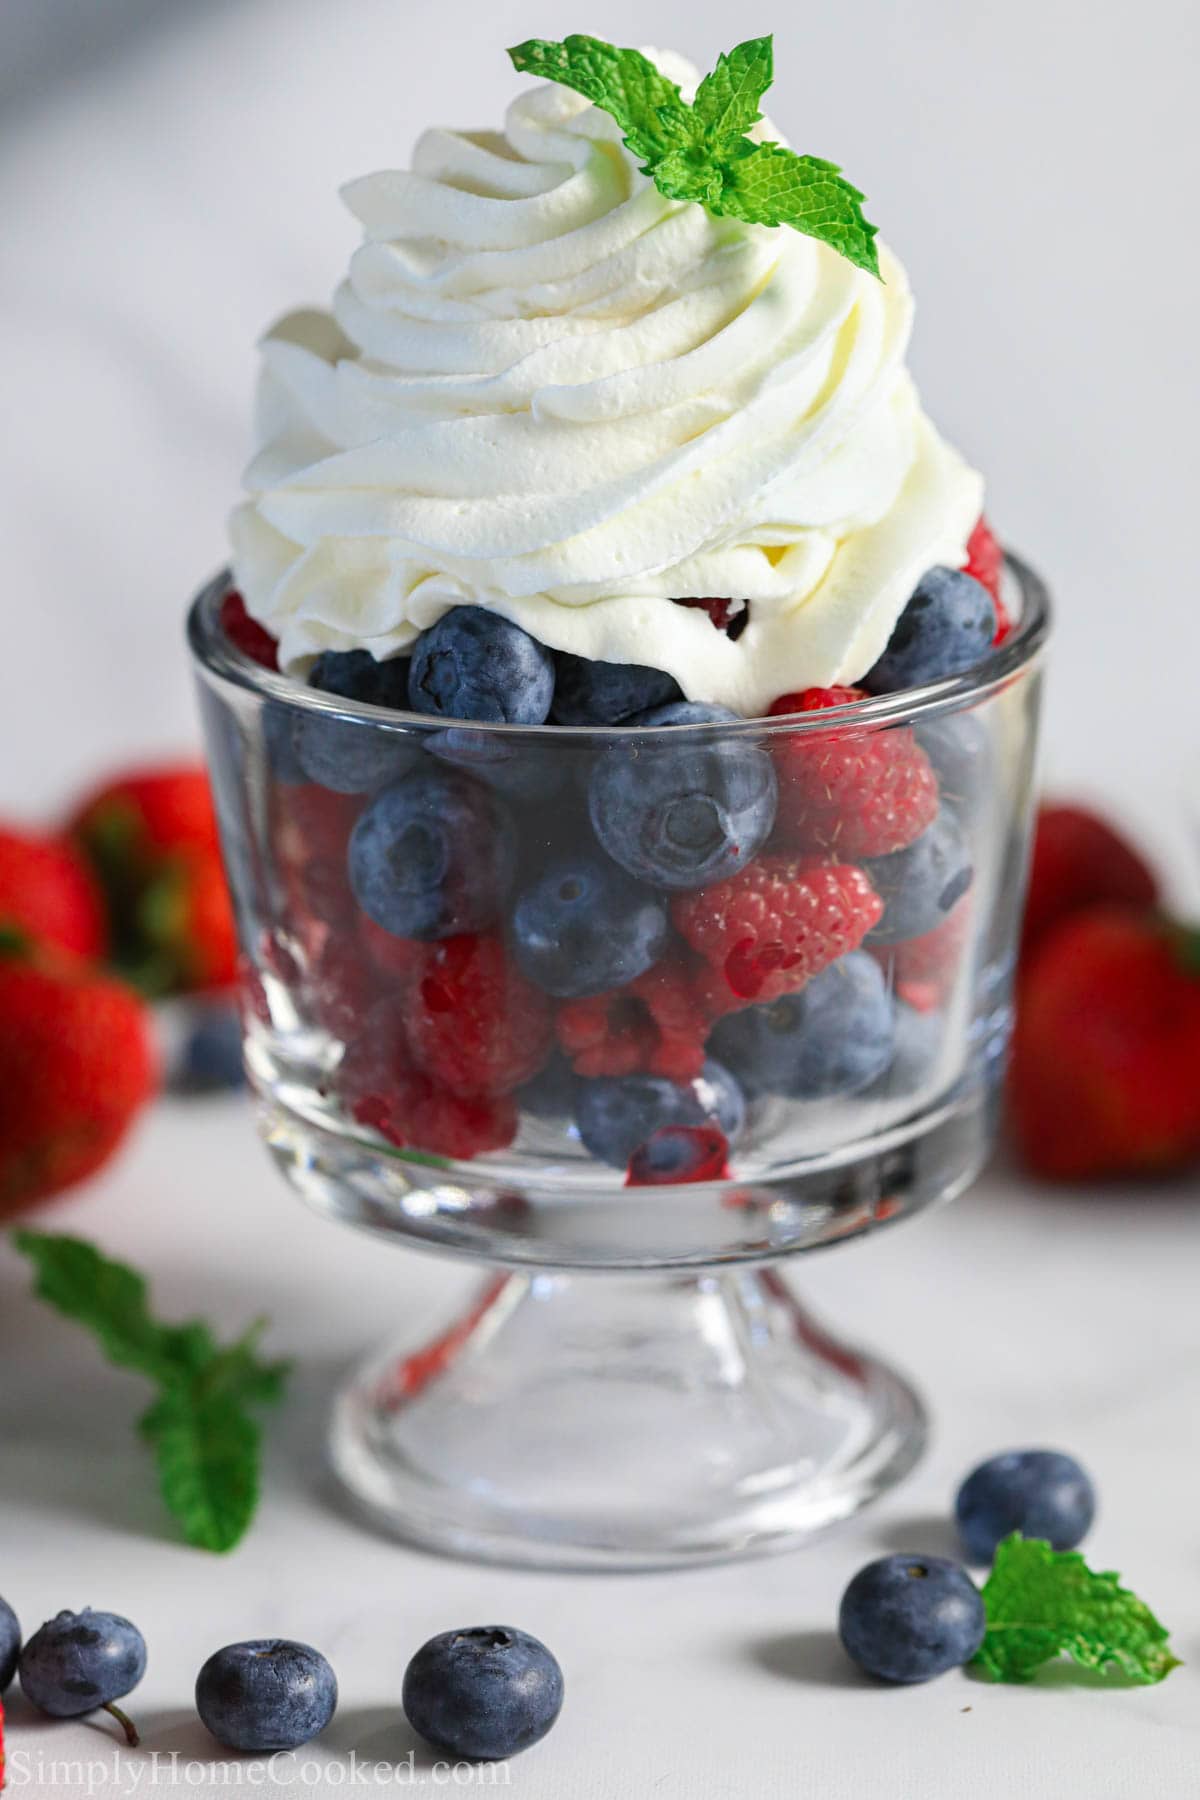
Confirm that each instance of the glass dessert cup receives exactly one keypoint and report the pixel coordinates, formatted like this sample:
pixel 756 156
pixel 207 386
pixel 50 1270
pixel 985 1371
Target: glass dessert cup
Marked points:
pixel 636 1384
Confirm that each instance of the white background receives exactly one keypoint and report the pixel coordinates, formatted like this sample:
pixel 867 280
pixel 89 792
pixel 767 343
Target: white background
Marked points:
pixel 1036 167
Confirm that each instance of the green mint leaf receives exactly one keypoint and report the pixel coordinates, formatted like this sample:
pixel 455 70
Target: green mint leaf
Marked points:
pixel 726 103
pixel 700 153
pixel 206 1444
pixel 623 83
pixel 110 1300
pixel 774 186
pixel 207 1450
pixel 1043 1603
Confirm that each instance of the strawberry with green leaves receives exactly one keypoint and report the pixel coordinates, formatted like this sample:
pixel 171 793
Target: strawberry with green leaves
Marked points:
pixel 48 890
pixel 151 836
pixel 76 1066
pixel 1106 1056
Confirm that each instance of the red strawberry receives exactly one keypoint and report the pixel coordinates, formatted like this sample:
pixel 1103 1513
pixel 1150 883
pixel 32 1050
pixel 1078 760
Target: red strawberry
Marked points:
pixel 1079 860
pixel 47 889
pixel 475 1024
pixel 850 791
pixel 141 814
pixel 187 937
pixel 151 837
pixel 985 561
pixel 251 638
pixel 1106 1057
pixel 76 1065
pixel 768 929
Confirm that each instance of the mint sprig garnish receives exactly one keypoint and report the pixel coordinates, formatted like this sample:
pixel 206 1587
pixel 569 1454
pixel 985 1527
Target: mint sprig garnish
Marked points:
pixel 1043 1603
pixel 205 1439
pixel 701 152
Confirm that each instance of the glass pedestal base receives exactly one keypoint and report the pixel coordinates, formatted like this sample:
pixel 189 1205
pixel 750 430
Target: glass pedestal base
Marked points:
pixel 623 1422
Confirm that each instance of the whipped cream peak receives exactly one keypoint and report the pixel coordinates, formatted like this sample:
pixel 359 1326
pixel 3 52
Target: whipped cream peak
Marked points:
pixel 549 389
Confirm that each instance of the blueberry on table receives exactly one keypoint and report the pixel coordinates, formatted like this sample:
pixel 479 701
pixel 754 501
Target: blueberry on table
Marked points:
pixel 432 856
pixel 605 693
pixel 947 626
pixel 82 1662
pixel 473 664
pixel 266 1694
pixel 687 814
pixel 10 1644
pixel 618 1114
pixel 483 1693
pixel 920 886
pixel 583 927
pixel 835 1036
pixel 910 1617
pixel 1040 1493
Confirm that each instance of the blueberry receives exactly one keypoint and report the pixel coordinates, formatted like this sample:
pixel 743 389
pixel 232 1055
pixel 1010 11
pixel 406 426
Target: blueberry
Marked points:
pixel 680 1153
pixel 356 675
pixel 520 770
pixel 551 1092
pixel 605 693
pixel 432 856
pixel 683 815
pixel 1040 1493
pixel 80 1661
pixel 584 927
pixel 910 1617
pixel 834 1036
pixel 617 1114
pixel 947 626
pixel 268 1694
pixel 354 756
pixel 210 1059
pixel 279 738
pixel 960 750
pixel 10 1644
pixel 920 885
pixel 473 664
pixel 483 1693
pixel 917 1043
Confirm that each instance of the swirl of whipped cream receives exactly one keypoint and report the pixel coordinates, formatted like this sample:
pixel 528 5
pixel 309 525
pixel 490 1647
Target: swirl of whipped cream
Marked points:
pixel 547 389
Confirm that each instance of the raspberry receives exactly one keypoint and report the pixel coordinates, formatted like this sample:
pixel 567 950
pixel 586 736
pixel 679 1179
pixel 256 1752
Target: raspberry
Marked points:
pixel 768 929
pixel 383 1090
pixel 251 638
pixel 401 958
pixel 655 1025
pixel 850 791
pixel 923 969
pixel 729 616
pixel 339 987
pixel 475 1024
pixel 985 561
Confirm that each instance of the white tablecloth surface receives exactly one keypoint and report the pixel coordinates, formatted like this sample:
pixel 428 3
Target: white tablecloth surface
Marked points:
pixel 1036 168
pixel 1026 1318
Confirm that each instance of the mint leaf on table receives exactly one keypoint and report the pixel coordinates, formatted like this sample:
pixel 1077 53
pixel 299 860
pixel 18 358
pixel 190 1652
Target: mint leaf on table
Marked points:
pixel 206 1442
pixel 1043 1603
pixel 701 152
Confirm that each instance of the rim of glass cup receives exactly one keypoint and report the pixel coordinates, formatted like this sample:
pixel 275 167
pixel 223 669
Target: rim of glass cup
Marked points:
pixel 218 656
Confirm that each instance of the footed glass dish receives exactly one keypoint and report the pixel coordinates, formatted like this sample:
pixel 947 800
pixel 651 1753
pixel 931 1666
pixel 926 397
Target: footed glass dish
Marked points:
pixel 629 1014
